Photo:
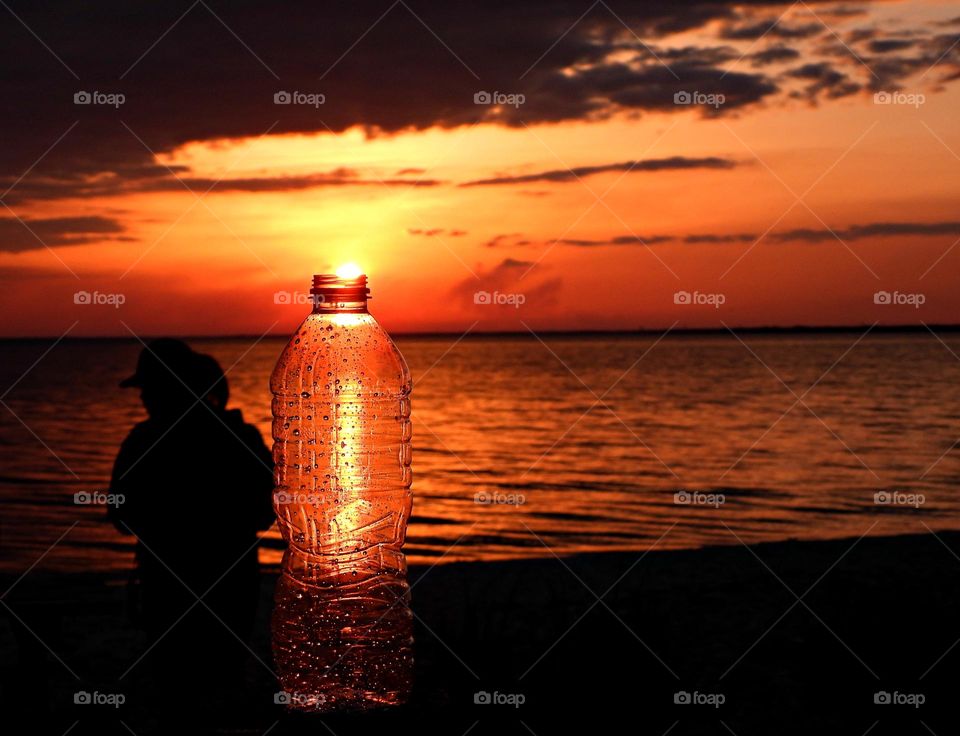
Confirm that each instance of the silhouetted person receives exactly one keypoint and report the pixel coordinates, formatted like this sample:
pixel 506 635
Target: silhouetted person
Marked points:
pixel 197 482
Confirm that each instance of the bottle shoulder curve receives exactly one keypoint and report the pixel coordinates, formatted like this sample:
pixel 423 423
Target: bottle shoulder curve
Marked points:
pixel 327 351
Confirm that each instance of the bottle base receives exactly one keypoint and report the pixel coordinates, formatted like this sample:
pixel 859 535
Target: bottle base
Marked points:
pixel 340 647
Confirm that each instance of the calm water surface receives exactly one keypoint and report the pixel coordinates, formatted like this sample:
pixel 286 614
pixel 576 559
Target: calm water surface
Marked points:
pixel 582 442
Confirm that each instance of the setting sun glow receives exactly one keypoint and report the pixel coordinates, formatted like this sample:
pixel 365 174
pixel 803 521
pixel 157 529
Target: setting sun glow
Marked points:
pixel 636 164
pixel 349 271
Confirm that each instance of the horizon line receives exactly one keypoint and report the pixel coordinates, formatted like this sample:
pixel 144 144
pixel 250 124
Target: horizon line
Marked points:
pixel 770 329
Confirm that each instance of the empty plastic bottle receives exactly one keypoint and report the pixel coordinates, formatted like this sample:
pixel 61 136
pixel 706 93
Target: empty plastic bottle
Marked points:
pixel 342 626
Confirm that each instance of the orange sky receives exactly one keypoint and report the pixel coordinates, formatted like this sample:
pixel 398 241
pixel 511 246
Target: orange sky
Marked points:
pixel 216 265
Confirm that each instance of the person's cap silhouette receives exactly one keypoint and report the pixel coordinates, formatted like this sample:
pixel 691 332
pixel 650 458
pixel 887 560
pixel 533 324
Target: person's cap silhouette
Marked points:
pixel 160 363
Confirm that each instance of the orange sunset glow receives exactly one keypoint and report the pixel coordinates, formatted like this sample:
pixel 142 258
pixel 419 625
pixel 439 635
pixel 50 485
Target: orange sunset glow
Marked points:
pixel 797 202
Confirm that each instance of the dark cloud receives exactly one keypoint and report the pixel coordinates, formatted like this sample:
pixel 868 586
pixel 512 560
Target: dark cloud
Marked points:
pixel 946 48
pixel 874 229
pixel 715 239
pixel 697 15
pixel 511 240
pixel 209 71
pixel 850 233
pixel 503 239
pixel 771 28
pixel 798 235
pixel 159 179
pixel 431 232
pixel 698 55
pixel 885 45
pixel 650 81
pixel 861 34
pixel 890 69
pixel 841 11
pixel 619 240
pixel 286 183
pixel 773 55
pixel 565 175
pixel 17 236
pixel 824 80
pixel 655 87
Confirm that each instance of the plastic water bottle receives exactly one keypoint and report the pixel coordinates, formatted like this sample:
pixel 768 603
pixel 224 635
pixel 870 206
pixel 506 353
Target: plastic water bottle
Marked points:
pixel 342 626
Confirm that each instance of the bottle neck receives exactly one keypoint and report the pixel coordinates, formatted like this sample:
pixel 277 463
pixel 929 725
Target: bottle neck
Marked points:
pixel 334 294
pixel 325 306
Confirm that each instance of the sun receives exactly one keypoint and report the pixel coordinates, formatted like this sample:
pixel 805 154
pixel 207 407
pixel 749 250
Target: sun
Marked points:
pixel 349 271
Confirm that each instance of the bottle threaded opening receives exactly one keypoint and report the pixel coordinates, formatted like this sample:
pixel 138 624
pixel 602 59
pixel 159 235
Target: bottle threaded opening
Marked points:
pixel 337 289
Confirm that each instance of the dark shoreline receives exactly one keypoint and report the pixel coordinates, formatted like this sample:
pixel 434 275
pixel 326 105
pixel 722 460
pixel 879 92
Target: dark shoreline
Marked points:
pixel 878 614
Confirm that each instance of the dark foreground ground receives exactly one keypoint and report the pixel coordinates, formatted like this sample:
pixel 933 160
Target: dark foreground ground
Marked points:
pixel 792 637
